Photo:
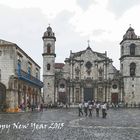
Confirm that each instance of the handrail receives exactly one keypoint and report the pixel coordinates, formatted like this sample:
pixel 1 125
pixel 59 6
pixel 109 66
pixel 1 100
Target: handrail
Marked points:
pixel 28 77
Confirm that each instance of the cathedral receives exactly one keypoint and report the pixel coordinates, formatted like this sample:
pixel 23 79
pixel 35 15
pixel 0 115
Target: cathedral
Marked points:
pixel 89 75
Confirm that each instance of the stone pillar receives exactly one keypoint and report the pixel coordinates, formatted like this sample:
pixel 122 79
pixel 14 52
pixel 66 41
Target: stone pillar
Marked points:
pixel 74 94
pixel 12 100
pixel 96 93
pixel 81 94
pixel 109 94
pixel 56 94
pixel 121 94
pixel 71 93
pixel 104 93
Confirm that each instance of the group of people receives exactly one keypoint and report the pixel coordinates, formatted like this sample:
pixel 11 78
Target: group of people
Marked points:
pixel 89 106
pixel 29 107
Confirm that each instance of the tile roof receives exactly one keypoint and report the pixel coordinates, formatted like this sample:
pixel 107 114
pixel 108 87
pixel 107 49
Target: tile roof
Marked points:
pixel 59 65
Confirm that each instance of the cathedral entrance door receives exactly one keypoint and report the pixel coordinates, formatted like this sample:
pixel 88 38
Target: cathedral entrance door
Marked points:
pixel 2 97
pixel 88 94
pixel 114 98
pixel 62 97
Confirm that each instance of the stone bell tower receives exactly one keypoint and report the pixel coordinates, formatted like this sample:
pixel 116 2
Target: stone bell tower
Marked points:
pixel 48 65
pixel 129 66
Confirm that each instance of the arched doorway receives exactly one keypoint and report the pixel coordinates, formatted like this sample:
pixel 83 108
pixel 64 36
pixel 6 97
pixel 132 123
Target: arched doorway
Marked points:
pixel 2 97
pixel 114 98
pixel 62 97
pixel 88 94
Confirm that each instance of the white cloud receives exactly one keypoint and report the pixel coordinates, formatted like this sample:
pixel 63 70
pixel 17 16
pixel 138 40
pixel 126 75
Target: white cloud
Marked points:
pixel 97 17
pixel 131 17
pixel 101 24
pixel 49 7
pixel 72 23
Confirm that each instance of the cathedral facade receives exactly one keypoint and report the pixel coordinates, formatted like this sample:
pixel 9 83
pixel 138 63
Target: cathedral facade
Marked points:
pixel 89 75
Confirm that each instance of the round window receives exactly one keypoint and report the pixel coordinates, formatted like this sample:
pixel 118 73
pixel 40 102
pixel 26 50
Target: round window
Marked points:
pixel 114 86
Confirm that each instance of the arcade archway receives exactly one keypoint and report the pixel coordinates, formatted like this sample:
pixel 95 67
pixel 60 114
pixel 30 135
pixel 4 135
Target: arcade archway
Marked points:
pixel 2 97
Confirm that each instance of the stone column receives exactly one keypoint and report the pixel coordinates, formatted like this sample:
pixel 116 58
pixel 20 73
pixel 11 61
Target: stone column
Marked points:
pixel 71 93
pixel 56 94
pixel 104 93
pixel 109 94
pixel 74 94
pixel 96 93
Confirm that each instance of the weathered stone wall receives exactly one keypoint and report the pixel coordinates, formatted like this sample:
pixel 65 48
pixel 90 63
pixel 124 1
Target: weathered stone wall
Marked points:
pixel 7 57
pixel 48 89
pixel 131 83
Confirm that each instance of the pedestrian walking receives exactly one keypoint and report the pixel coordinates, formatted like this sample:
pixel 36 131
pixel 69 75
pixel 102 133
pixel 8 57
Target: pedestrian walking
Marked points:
pixel 41 107
pixel 104 110
pixel 80 109
pixel 86 108
pixel 97 109
pixel 90 109
pixel 32 107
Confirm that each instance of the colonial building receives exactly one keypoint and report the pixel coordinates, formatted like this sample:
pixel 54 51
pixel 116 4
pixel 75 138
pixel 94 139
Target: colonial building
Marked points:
pixel 89 75
pixel 85 75
pixel 19 78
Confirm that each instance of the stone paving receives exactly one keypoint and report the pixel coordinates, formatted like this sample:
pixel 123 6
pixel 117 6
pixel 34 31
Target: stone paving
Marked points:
pixel 65 124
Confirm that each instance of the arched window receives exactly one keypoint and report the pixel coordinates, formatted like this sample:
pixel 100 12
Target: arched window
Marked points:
pixel 132 49
pixel 122 51
pixel 121 68
pixel 49 48
pixel 48 66
pixel 132 69
pixel 29 69
pixel 19 67
pixel 19 64
pixel 49 33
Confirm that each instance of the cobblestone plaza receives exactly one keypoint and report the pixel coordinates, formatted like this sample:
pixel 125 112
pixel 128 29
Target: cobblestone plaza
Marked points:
pixel 65 124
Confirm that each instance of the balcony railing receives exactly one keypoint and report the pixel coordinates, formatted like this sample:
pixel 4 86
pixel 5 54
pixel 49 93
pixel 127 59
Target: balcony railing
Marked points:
pixel 29 78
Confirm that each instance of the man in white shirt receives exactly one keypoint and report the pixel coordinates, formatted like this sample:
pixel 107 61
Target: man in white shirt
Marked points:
pixel 90 109
pixel 80 109
pixel 86 108
pixel 104 109
pixel 97 108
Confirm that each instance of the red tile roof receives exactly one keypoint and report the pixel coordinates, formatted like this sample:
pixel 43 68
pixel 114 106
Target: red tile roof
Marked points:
pixel 59 65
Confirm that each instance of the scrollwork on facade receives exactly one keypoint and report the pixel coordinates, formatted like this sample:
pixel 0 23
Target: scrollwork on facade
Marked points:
pixel 100 71
pixel 77 71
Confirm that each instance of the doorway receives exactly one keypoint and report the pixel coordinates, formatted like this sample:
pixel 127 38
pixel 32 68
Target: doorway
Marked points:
pixel 2 97
pixel 88 94
pixel 114 98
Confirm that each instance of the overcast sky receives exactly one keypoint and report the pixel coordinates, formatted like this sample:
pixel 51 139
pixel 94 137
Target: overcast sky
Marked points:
pixel 103 22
